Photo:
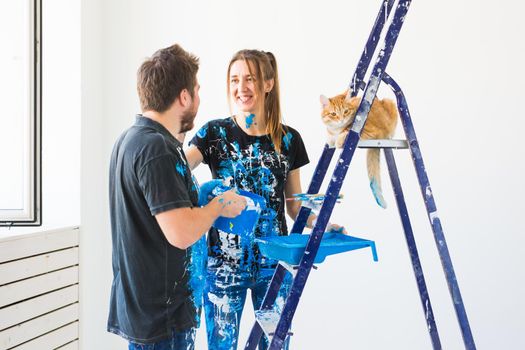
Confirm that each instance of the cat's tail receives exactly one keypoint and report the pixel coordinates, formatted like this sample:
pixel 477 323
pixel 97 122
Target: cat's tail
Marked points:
pixel 374 175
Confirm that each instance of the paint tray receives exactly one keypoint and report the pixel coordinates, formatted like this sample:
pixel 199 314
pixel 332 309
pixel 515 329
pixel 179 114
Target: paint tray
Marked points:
pixel 245 222
pixel 290 249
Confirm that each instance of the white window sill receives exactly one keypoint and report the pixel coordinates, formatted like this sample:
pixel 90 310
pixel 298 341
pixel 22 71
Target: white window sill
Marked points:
pixel 14 233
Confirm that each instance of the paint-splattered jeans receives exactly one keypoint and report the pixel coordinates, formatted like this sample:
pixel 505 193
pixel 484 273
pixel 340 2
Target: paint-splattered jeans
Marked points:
pixel 224 296
pixel 184 340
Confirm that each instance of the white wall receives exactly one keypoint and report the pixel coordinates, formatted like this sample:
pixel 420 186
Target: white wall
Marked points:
pixel 458 65
pixel 95 239
pixel 61 113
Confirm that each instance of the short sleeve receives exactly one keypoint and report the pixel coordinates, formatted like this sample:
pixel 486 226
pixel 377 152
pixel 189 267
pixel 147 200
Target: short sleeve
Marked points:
pixel 200 140
pixel 162 181
pixel 299 156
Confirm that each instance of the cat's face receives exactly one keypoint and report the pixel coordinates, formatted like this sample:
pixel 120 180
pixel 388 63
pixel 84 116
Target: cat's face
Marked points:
pixel 338 111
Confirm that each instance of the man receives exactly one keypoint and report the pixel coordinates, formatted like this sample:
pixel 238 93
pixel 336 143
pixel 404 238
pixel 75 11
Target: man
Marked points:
pixel 154 214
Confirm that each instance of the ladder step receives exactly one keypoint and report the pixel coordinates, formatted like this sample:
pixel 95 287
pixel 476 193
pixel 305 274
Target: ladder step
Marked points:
pixel 383 143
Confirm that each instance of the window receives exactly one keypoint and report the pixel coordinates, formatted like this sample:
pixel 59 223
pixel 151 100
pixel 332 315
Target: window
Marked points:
pixel 20 118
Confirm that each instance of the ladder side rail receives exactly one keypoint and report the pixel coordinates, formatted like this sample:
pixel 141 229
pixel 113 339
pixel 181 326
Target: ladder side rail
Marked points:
pixel 315 185
pixel 271 294
pixel 433 217
pixel 370 47
pixel 379 67
pixel 339 174
pixel 412 249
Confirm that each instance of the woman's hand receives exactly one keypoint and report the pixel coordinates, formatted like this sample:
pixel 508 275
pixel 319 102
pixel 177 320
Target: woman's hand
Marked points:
pixel 312 221
pixel 336 228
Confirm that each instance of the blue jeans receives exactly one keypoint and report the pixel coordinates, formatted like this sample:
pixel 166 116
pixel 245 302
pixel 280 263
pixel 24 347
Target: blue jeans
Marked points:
pixel 184 340
pixel 224 297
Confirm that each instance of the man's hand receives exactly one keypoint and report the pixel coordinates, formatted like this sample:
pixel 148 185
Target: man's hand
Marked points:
pixel 232 204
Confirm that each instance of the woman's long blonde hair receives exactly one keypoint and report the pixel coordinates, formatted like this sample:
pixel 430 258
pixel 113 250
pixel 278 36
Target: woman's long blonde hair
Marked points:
pixel 265 66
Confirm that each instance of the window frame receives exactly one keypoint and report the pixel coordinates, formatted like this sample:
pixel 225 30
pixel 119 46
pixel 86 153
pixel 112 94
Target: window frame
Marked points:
pixel 31 213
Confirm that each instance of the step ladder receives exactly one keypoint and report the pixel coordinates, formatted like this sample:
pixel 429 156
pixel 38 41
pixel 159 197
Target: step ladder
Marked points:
pixel 277 323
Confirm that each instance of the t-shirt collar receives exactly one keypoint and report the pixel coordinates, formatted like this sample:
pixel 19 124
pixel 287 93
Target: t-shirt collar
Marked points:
pixel 148 122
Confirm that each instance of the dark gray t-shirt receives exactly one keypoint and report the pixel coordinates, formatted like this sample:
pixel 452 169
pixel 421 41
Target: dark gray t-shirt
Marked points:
pixel 150 294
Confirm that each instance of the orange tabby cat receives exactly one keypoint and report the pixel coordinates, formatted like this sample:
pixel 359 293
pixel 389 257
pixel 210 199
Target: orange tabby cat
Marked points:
pixel 338 113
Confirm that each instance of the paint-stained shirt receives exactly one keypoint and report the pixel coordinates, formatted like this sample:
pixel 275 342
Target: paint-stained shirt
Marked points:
pixel 251 163
pixel 151 293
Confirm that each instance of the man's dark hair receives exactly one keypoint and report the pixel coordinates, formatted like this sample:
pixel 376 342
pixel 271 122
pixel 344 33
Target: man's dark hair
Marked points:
pixel 161 78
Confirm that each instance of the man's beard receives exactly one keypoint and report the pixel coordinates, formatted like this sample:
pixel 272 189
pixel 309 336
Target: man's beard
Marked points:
pixel 186 121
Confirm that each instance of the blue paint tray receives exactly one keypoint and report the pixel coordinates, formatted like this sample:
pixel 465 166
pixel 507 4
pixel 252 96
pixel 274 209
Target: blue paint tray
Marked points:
pixel 290 249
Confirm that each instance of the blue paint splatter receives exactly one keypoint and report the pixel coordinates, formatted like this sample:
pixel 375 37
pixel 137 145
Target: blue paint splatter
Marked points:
pixel 266 222
pixel 206 191
pixel 249 120
pixel 256 149
pixel 197 269
pixel 199 253
pixel 376 190
pixel 287 140
pixel 181 169
pixel 265 179
pixel 236 147
pixel 222 132
pixel 225 169
pixel 202 132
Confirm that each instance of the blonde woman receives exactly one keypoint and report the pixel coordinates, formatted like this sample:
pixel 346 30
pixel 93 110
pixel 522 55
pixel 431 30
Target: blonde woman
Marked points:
pixel 257 153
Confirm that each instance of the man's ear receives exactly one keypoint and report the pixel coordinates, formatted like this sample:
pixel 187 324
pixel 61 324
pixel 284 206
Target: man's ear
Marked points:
pixel 184 98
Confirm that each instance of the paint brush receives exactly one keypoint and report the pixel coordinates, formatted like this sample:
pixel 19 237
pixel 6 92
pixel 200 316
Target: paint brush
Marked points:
pixel 317 197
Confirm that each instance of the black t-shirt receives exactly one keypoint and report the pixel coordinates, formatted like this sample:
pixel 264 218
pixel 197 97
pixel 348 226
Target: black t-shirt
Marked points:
pixel 252 164
pixel 150 294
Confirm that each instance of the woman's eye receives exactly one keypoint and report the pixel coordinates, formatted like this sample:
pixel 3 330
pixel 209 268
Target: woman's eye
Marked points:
pixel 234 81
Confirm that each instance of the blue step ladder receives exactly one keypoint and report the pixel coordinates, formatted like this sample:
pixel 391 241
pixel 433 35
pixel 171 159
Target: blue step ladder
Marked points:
pixel 277 326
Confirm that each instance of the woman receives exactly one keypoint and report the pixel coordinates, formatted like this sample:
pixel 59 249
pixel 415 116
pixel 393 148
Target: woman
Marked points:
pixel 255 152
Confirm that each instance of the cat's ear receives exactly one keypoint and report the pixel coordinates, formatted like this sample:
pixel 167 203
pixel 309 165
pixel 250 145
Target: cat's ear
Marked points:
pixel 324 100
pixel 347 95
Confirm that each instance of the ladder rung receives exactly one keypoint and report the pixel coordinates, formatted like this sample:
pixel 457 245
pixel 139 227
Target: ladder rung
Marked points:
pixel 383 143
pixel 291 268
